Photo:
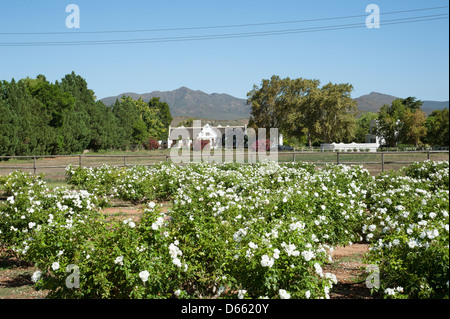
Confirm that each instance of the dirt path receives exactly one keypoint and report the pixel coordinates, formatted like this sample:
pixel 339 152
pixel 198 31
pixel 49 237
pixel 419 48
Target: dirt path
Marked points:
pixel 349 270
pixel 15 279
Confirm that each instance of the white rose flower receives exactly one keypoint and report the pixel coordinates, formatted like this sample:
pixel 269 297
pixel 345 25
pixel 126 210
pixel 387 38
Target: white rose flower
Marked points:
pixel 119 260
pixel 241 293
pixel 284 294
pixel 177 262
pixel 266 261
pixel 36 276
pixel 144 275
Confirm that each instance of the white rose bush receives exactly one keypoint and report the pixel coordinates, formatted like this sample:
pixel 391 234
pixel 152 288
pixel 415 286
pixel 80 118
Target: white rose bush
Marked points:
pixel 408 228
pixel 262 230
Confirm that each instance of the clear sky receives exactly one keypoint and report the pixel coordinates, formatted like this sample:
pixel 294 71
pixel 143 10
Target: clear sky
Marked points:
pixel 407 59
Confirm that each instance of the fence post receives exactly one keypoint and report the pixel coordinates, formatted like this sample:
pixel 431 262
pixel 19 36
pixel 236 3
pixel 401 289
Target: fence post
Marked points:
pixel 79 161
pixel 338 161
pixel 124 161
pixel 34 165
pixel 428 155
pixel 382 162
pixel 293 157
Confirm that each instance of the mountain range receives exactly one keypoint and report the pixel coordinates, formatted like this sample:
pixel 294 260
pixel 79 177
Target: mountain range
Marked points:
pixel 373 101
pixel 185 102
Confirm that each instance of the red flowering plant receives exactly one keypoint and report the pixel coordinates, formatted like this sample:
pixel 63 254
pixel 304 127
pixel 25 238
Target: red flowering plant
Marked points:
pixel 151 144
pixel 200 144
pixel 261 145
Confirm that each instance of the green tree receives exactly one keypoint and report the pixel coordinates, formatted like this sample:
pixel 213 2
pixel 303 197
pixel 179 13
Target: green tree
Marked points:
pixel 23 110
pixel 8 131
pixel 437 124
pixel 402 122
pixel 164 117
pixel 390 122
pixel 54 102
pixel 414 128
pixel 412 103
pixel 268 103
pixel 140 133
pixel 127 115
pixel 363 126
pixel 39 117
pixel 302 114
pixel 297 107
pixel 149 114
pixel 337 113
pixel 104 126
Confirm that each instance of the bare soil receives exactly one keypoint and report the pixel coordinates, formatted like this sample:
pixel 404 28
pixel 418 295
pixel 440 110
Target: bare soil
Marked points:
pixel 350 271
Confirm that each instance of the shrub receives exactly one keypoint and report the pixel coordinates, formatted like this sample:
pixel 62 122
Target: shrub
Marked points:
pixel 261 145
pixel 151 144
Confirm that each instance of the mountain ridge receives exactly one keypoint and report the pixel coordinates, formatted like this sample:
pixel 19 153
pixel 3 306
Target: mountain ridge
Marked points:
pixel 186 102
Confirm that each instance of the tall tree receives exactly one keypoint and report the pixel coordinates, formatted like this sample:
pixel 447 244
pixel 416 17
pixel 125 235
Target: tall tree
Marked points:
pixel 23 116
pixel 363 126
pixel 438 128
pixel 163 115
pixel 127 115
pixel 39 117
pixel 412 103
pixel 268 104
pixel 150 114
pixel 299 106
pixel 414 128
pixel 402 122
pixel 390 122
pixel 8 129
pixel 337 113
pixel 302 114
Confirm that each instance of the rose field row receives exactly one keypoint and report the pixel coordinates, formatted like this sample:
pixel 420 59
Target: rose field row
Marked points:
pixel 233 230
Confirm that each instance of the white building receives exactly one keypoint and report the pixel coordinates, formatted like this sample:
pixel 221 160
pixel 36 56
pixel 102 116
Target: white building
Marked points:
pixel 215 135
pixel 359 147
pixel 371 145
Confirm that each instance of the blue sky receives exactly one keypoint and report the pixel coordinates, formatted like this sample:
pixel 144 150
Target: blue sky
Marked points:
pixel 410 59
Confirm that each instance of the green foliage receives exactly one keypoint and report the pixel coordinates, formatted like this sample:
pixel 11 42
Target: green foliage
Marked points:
pixel 389 122
pixel 408 229
pixel 40 118
pixel 163 118
pixel 363 126
pixel 300 107
pixel 234 230
pixel 437 125
pixel 402 122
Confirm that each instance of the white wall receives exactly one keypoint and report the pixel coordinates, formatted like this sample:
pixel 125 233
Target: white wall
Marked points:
pixel 372 147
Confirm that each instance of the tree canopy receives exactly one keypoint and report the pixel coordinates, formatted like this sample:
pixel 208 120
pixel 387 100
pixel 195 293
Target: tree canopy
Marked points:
pixel 301 107
pixel 402 122
pixel 43 118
